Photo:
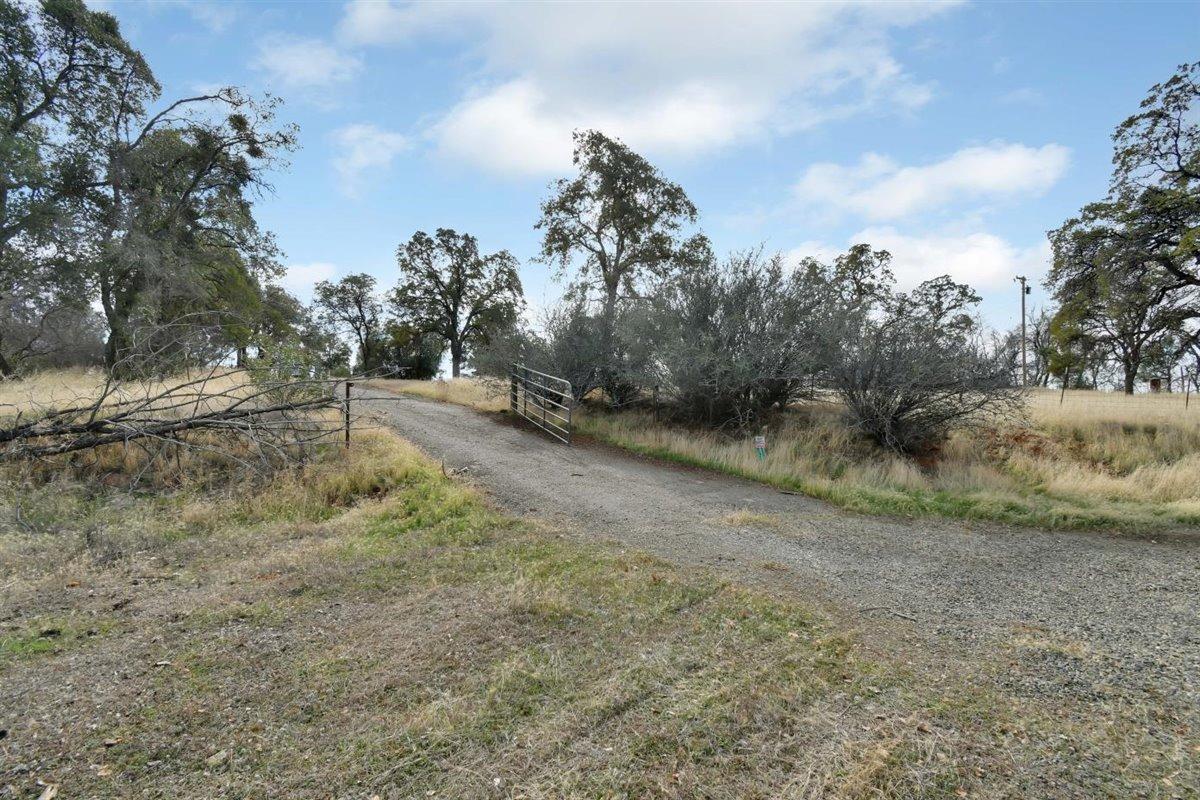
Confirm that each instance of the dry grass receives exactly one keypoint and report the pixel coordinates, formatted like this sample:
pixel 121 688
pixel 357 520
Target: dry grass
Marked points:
pixel 369 628
pixel 1097 475
pixel 745 518
pixel 53 389
pixel 72 387
pixel 471 392
pixel 1081 407
pixel 1130 463
pixel 205 456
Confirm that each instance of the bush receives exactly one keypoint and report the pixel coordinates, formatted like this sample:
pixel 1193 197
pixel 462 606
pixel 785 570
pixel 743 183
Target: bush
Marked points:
pixel 735 339
pixel 729 341
pixel 911 367
pixel 569 346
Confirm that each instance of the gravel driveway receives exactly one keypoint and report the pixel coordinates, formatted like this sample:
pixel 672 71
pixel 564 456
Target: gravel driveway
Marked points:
pixel 1112 614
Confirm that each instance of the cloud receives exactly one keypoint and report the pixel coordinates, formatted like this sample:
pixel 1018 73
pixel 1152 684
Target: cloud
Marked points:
pixel 518 128
pixel 879 188
pixel 299 279
pixel 667 82
pixel 217 17
pixel 982 260
pixel 298 63
pixel 364 147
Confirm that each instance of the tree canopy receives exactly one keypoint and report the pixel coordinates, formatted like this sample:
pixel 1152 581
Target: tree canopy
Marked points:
pixel 448 288
pixel 109 196
pixel 1126 270
pixel 350 305
pixel 618 221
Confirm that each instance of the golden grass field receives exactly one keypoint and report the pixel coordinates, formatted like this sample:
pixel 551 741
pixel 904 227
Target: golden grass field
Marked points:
pixel 201 455
pixel 72 387
pixel 1098 460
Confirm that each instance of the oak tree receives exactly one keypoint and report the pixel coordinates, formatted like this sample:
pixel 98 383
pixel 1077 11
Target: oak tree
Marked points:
pixel 351 306
pixel 449 288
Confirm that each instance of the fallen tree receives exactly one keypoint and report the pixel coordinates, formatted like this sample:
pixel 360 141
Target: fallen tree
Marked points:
pixel 260 416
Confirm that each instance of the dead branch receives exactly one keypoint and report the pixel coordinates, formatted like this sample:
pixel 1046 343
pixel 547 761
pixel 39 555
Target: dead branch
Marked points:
pixel 250 415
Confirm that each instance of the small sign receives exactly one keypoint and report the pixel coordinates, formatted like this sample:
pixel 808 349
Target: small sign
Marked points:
pixel 760 446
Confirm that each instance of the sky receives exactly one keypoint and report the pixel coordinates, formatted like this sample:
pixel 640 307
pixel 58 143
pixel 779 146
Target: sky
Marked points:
pixel 954 135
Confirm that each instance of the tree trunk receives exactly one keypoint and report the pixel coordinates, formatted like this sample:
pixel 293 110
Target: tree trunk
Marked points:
pixel 1130 378
pixel 119 304
pixel 116 345
pixel 608 342
pixel 364 349
pixel 456 358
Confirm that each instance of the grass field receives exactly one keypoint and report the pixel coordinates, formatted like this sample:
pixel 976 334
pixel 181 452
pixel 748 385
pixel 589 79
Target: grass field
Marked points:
pixel 69 388
pixel 1124 463
pixel 368 628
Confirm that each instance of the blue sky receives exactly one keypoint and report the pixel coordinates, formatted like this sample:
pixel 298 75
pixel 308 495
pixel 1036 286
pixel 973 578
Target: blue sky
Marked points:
pixel 954 135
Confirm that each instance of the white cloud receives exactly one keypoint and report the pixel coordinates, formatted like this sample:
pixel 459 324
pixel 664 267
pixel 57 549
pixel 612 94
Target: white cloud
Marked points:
pixel 217 17
pixel 294 62
pixel 299 279
pixel 982 260
pixel 361 148
pixel 663 79
pixel 518 128
pixel 821 251
pixel 879 188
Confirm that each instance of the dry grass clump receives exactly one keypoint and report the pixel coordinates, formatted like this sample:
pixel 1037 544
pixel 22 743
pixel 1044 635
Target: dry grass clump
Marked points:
pixel 746 518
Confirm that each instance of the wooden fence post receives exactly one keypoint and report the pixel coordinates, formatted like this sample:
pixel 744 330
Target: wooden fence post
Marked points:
pixel 346 411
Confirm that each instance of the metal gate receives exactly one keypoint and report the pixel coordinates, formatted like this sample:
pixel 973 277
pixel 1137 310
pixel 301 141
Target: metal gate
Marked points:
pixel 542 399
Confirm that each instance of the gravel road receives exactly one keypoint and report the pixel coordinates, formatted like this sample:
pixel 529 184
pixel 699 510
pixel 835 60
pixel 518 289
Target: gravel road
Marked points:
pixel 1117 613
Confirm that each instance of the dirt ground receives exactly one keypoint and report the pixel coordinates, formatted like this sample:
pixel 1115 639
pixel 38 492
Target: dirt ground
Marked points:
pixel 1114 618
pixel 368 628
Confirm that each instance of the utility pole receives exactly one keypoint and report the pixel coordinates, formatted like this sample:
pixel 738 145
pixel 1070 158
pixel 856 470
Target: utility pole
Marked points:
pixel 1024 364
